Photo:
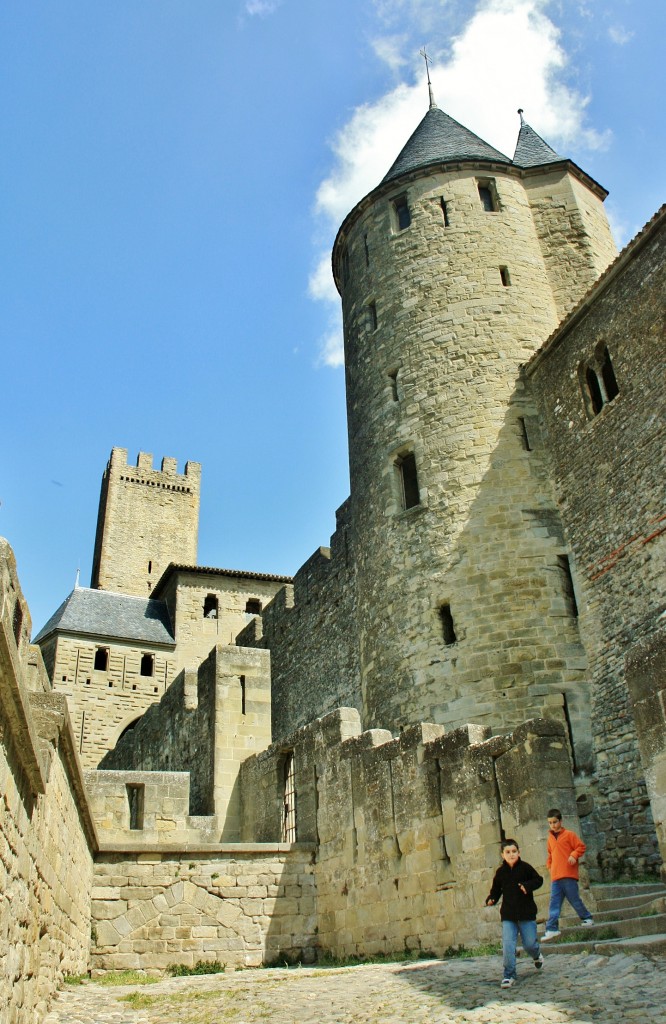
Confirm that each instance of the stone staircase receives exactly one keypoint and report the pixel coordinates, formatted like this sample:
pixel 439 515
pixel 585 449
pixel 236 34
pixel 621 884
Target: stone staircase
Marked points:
pixel 628 918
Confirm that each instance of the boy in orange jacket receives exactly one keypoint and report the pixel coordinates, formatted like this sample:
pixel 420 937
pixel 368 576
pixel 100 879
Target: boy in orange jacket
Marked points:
pixel 564 851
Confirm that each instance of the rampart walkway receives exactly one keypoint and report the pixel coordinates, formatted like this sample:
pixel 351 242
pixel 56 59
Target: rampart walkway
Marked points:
pixel 572 989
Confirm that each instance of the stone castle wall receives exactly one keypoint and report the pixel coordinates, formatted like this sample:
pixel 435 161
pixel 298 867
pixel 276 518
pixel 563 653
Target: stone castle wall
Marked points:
pixel 310 629
pixel 207 723
pixel 408 830
pixel 103 704
pixel 241 905
pixel 608 472
pixel 47 836
pixel 147 519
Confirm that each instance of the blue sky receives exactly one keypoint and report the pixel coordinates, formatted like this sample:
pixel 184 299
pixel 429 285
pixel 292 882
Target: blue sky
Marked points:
pixel 172 176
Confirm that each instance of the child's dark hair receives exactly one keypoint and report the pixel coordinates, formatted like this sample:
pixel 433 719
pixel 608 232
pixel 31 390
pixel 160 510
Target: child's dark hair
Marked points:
pixel 508 842
pixel 555 812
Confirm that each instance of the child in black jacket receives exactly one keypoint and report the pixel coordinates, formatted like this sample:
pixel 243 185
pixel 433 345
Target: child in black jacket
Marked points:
pixel 515 881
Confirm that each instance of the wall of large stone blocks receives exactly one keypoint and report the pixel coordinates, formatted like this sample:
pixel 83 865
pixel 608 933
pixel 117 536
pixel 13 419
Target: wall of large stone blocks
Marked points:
pixel 311 631
pixel 608 473
pixel 207 723
pixel 408 829
pixel 46 832
pixel 438 377
pixel 241 905
pixel 104 703
pixel 645 667
pixel 147 518
pixel 185 595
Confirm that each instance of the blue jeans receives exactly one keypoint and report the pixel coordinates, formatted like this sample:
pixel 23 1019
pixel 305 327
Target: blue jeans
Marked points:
pixel 528 936
pixel 564 888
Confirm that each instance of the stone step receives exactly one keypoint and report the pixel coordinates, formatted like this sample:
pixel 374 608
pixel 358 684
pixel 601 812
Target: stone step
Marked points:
pixel 628 928
pixel 621 890
pixel 648 908
pixel 627 902
pixel 646 944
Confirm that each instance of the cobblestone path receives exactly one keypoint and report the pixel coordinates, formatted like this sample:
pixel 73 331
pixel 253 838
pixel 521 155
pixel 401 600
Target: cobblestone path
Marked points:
pixel 571 989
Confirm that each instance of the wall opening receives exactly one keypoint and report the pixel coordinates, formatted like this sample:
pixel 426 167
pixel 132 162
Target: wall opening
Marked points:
pixel 253 606
pixel 101 663
pixel 289 799
pixel 393 378
pixel 211 606
pixel 242 689
pixel 488 195
pixel 598 381
pixel 17 622
pixel 372 316
pixel 147 665
pixel 448 628
pixel 524 436
pixel 408 480
pixel 402 217
pixel 564 566
pixel 135 799
pixel 505 277
pixel 445 214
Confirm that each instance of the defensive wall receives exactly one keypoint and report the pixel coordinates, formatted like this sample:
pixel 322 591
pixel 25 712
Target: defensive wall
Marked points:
pixel 598 384
pixel 47 836
pixel 310 629
pixel 408 829
pixel 207 723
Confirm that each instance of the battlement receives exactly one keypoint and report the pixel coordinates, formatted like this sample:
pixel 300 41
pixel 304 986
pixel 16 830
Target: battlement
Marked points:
pixel 144 465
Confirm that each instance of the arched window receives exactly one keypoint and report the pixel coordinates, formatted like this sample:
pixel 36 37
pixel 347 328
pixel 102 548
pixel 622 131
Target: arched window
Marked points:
pixel 598 381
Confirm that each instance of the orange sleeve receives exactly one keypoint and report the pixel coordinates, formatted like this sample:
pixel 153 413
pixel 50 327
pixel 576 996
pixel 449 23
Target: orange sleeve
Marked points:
pixel 578 846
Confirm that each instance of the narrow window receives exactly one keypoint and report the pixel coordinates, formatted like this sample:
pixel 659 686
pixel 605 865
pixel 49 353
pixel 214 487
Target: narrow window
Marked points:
pixel 135 799
pixel 147 664
pixel 448 629
pixel 367 251
pixel 487 196
pixel 211 607
pixel 403 217
pixel 17 623
pixel 345 265
pixel 372 316
pixel 525 437
pixel 253 606
pixel 504 276
pixel 608 377
pixel 242 688
pixel 568 585
pixel 445 213
pixel 101 659
pixel 150 568
pixel 409 484
pixel 289 800
pixel 594 390
pixel 393 377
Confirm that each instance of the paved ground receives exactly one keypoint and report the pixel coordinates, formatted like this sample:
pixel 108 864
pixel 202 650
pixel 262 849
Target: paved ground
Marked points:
pixel 575 989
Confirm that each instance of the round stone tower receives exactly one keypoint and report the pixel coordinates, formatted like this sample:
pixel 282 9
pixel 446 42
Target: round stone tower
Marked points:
pixel 452 272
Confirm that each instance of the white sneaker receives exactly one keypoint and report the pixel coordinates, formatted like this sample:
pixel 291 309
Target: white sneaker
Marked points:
pixel 538 963
pixel 507 982
pixel 588 922
pixel 548 935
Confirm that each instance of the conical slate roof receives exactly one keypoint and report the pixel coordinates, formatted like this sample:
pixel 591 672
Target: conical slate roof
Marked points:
pixel 531 150
pixel 439 139
pixel 120 616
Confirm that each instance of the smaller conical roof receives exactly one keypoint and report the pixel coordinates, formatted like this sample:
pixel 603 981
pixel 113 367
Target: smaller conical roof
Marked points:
pixel 531 150
pixel 440 139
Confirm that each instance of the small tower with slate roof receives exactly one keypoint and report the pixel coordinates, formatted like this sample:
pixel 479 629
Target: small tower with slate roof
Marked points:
pixel 452 271
pixel 147 518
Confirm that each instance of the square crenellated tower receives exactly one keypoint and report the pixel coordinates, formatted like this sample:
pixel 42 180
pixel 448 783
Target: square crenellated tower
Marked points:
pixel 147 519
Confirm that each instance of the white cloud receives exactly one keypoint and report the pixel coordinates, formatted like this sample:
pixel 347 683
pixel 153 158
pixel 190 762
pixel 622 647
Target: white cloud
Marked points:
pixel 507 55
pixel 261 7
pixel 620 35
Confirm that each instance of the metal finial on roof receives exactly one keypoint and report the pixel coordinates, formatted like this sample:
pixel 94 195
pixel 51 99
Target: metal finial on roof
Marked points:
pixel 520 112
pixel 78 577
pixel 428 61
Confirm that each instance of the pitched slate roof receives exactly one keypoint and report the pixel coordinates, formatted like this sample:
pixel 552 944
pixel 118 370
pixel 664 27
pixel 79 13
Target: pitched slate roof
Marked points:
pixel 112 616
pixel 439 139
pixel 531 150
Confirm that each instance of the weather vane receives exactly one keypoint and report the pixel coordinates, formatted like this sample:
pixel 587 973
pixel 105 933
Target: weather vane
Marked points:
pixel 428 60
